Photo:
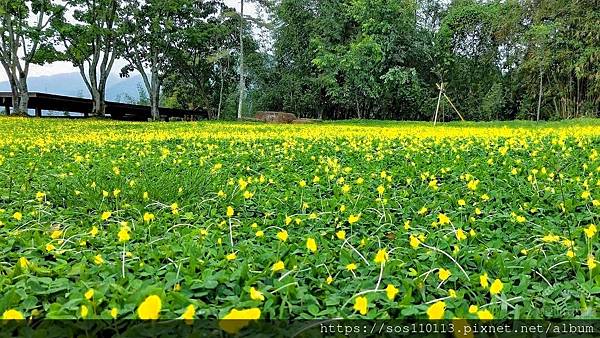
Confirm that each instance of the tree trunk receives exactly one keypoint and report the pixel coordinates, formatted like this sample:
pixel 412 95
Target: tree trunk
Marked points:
pixel 154 97
pixel 220 92
pixel 99 106
pixel 242 83
pixel 539 105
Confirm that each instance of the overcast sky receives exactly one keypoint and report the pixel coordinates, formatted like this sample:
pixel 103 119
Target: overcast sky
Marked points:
pixel 67 67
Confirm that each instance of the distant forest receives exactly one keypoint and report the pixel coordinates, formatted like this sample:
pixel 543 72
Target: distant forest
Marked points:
pixel 329 59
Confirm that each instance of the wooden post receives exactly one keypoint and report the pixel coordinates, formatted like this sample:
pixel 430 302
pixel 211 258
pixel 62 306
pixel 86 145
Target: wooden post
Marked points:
pixel 438 103
pixel 38 112
pixel 456 110
pixel 7 109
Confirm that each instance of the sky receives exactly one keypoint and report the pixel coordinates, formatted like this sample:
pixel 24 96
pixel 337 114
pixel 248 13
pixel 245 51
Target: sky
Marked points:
pixel 67 67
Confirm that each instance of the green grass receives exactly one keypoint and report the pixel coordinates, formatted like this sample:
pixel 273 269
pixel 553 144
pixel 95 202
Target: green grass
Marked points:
pixel 533 183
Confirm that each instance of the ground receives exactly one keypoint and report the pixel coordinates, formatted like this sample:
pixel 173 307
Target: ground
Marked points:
pixel 103 219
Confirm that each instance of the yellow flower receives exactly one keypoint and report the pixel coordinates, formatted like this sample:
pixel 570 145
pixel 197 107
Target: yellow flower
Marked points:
pixel 123 234
pixel 496 287
pixel 460 235
pixel 12 315
pixel 551 238
pixel 381 256
pixel 329 280
pixel 114 312
pixel 260 233
pixel 353 218
pixel 351 267
pixel 256 295
pixel 422 211
pixel 345 189
pixel 278 266
pixel 591 263
pixel 231 256
pixel 230 211
pixel 462 202
pixel 452 293
pixel 302 183
pixel 414 242
pixel 391 291
pixel 380 190
pixel 150 308
pixel 23 262
pixel 282 235
pixel 89 294
pixel 483 280
pixel 436 310
pixel 341 234
pixel 98 259
pixel 56 234
pixel 175 209
pixel 94 231
pixel 50 247
pixel 443 219
pixel 116 192
pixel 189 314
pixel 472 185
pixel 236 320
pixel 105 215
pixel 521 219
pixel 590 231
pixel 361 304
pixel 473 309
pixel 145 195
pixel 248 194
pixel 148 217
pixel 585 195
pixel 444 274
pixel 570 254
pixel 485 315
pixel 84 311
pixel 40 196
pixel 311 244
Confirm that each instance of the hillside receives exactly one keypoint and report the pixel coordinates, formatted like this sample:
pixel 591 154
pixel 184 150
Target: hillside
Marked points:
pixel 71 84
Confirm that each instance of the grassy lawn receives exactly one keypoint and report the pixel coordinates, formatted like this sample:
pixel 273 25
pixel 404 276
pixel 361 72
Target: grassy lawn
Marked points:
pixel 339 219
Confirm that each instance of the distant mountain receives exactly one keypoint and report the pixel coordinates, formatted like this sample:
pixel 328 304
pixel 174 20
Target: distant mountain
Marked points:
pixel 71 84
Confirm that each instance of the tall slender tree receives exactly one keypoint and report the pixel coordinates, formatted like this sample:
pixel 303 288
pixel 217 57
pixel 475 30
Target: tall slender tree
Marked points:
pixel 242 81
pixel 25 35
pixel 154 29
pixel 92 42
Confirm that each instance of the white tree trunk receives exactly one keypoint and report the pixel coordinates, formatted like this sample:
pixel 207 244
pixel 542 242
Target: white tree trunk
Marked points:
pixel 242 82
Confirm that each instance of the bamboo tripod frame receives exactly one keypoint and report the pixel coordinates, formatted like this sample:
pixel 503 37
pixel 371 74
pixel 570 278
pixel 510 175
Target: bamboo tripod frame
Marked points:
pixel 437 109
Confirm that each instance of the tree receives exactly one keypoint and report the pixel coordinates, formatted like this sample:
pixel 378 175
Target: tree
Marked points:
pixel 204 66
pixel 25 36
pixel 242 82
pixel 154 29
pixel 92 43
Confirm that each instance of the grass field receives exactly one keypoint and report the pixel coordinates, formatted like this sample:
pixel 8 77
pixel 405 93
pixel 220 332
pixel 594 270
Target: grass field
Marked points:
pixel 102 219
